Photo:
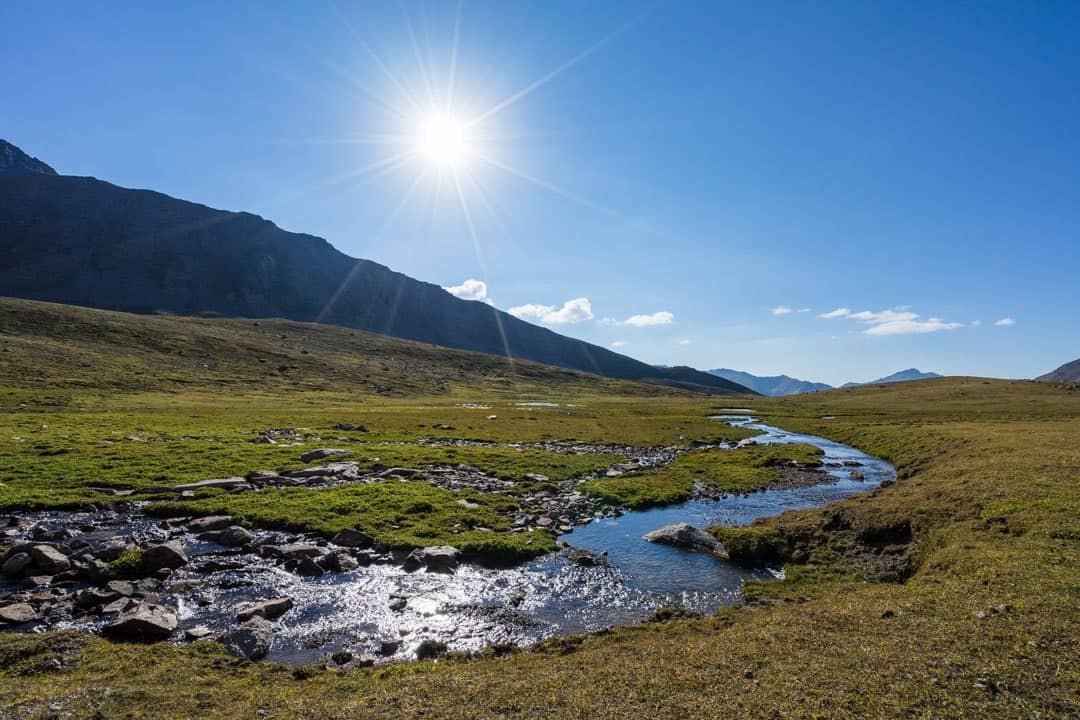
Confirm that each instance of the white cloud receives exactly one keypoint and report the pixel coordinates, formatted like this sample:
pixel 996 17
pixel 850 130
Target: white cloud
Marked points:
pixel 911 327
pixel 682 341
pixel 976 323
pixel 782 310
pixel 471 289
pixel 618 344
pixel 572 311
pixel 1005 322
pixel 900 321
pixel 662 317
pixel 803 310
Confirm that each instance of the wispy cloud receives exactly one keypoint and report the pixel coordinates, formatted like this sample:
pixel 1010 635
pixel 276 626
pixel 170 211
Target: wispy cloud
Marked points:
pixel 471 289
pixel 1005 322
pixel 682 341
pixel 618 344
pixel 662 317
pixel 782 310
pixel 804 310
pixel 976 323
pixel 572 311
pixel 899 321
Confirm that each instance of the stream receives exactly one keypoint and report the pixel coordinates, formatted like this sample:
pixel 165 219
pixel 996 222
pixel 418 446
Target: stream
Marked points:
pixel 381 611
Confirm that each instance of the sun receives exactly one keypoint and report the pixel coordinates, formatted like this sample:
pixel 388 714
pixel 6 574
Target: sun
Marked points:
pixel 442 140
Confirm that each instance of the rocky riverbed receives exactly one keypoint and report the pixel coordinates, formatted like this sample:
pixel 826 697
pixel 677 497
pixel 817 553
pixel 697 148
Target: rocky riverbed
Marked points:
pixel 348 600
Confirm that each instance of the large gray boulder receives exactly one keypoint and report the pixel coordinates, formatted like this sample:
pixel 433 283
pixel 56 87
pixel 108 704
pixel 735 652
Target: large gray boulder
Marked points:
pixel 440 559
pixel 252 640
pixel 166 555
pixel 15 564
pixel 353 538
pixel 226 483
pixel 685 535
pixel 147 623
pixel 322 453
pixel 269 609
pixel 49 560
pixel 17 613
pixel 210 524
pixel 234 536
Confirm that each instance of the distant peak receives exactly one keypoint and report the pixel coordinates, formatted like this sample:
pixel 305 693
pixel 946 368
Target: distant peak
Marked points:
pixel 14 161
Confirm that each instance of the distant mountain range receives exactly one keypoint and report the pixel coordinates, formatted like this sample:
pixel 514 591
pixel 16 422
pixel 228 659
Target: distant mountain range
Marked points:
pixel 83 241
pixel 901 376
pixel 772 385
pixel 1069 372
pixel 775 385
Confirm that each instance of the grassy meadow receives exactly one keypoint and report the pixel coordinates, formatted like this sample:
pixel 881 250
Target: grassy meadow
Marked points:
pixel 952 593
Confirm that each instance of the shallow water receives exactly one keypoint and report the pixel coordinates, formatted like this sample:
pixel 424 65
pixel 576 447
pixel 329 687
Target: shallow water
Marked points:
pixel 478 606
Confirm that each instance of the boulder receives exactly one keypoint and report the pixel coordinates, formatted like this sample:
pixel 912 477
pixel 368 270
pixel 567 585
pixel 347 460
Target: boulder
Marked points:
pixel 353 538
pixel 428 649
pixel 268 609
pixel 147 623
pixel 234 536
pixel 49 560
pixel 584 558
pixel 166 555
pixel 226 483
pixel 209 524
pixel 440 558
pixel 685 535
pixel 17 613
pixel 252 640
pixel 322 453
pixel 340 561
pixel 16 564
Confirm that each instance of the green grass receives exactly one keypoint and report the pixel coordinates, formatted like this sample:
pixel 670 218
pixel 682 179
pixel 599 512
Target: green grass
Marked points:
pixel 397 514
pixel 744 469
pixel 885 611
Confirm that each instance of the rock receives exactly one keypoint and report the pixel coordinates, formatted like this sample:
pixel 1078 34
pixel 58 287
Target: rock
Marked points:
pixel 17 613
pixel 350 427
pixel 440 559
pixel 120 605
pixel 353 538
pixel 584 558
pixel 252 640
pixel 198 633
pixel 121 587
pixel 268 609
pixel 468 505
pixel 49 560
pixel 389 646
pixel 226 483
pixel 93 597
pixel 685 535
pixel 341 562
pixel 209 524
pixel 16 564
pixel 428 649
pixel 234 536
pixel 295 551
pixel 95 571
pixel 342 657
pixel 398 604
pixel 323 453
pixel 147 623
pixel 305 566
pixel 168 555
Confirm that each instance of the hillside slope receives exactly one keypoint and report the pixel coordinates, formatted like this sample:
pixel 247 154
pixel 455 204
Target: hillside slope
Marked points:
pixel 57 347
pixel 1069 372
pixel 86 242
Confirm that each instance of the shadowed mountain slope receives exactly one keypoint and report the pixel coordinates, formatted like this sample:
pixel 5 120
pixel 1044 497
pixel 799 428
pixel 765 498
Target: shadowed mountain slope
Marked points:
pixel 82 241
pixel 1069 372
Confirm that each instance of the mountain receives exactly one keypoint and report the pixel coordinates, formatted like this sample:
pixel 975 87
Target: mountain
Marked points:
pixel 83 241
pixel 1069 372
pixel 772 385
pixel 901 376
pixel 14 161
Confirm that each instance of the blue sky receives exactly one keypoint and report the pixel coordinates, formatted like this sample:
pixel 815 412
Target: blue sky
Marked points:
pixel 688 169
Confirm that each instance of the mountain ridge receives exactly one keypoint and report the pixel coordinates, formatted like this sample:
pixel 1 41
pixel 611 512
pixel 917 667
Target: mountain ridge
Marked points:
pixel 84 241
pixel 898 376
pixel 1069 372
pixel 771 385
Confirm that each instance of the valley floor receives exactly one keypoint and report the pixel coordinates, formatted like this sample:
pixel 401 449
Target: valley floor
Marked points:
pixel 981 619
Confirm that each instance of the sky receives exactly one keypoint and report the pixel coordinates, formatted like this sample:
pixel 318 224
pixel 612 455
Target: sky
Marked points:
pixel 832 191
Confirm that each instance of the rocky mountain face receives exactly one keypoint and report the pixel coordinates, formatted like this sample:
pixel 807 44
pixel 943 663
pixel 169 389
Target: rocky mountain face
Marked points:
pixel 82 241
pixel 1069 372
pixel 772 385
pixel 14 161
pixel 899 376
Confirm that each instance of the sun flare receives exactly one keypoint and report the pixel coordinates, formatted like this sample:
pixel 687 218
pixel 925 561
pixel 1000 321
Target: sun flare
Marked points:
pixel 443 141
